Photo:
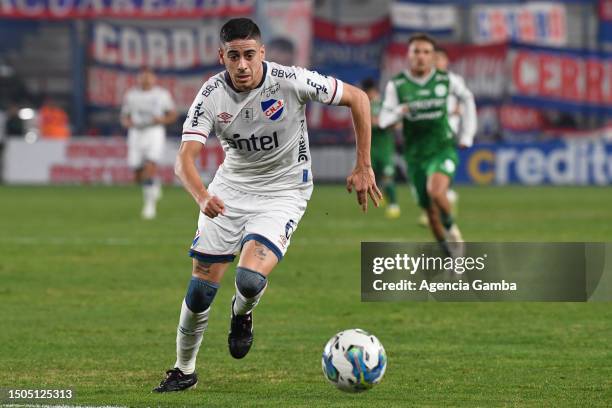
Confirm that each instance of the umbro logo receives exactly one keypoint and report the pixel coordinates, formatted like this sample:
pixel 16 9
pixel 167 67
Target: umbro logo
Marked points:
pixel 224 117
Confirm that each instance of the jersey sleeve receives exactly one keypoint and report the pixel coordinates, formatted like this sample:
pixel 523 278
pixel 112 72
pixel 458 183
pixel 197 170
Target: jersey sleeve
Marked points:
pixel 469 119
pixel 168 102
pixel 391 111
pixel 312 86
pixel 200 120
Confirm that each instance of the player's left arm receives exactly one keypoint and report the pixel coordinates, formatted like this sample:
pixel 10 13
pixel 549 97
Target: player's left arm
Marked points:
pixel 362 177
pixel 124 116
pixel 170 113
pixel 468 110
pixel 312 86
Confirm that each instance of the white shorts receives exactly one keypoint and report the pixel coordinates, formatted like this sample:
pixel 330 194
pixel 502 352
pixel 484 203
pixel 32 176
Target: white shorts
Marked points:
pixel 267 219
pixel 145 145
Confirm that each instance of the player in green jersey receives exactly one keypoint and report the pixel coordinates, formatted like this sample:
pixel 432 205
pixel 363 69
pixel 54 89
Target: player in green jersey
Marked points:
pixel 455 120
pixel 418 97
pixel 383 150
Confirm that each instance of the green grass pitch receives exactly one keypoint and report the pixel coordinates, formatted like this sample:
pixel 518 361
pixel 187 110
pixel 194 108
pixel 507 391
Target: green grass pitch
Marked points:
pixel 90 297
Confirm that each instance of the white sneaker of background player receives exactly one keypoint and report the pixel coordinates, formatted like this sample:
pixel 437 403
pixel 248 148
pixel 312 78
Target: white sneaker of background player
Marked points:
pixel 456 245
pixel 149 210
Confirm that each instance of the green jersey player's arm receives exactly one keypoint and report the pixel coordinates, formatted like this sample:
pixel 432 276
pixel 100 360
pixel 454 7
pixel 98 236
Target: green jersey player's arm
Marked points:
pixel 186 170
pixel 468 110
pixel 392 111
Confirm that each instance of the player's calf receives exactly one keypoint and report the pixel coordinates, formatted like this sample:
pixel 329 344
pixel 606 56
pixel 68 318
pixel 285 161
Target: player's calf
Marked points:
pixel 193 322
pixel 250 286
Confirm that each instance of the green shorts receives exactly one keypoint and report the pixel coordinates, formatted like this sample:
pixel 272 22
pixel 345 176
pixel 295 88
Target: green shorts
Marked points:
pixel 419 171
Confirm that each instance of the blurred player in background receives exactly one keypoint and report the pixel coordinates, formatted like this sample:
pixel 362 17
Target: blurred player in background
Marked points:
pixel 281 50
pixel 146 110
pixel 259 194
pixel 419 97
pixel 454 109
pixel 383 150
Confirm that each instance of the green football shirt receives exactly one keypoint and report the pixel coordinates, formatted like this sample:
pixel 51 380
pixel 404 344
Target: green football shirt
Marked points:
pixel 425 127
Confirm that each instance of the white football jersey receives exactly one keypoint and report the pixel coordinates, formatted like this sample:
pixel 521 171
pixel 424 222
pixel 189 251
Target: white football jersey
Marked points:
pixel 144 106
pixel 263 131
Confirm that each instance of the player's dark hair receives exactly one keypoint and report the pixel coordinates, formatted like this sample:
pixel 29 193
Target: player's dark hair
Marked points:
pixel 368 84
pixel 441 50
pixel 422 37
pixel 239 29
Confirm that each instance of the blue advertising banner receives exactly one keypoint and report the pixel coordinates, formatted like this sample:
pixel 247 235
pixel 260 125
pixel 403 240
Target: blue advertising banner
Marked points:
pixel 352 53
pixel 183 58
pixel 571 162
pixel 605 21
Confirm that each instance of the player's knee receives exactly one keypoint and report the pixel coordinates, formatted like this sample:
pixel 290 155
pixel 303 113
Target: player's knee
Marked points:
pixel 435 192
pixel 200 294
pixel 249 283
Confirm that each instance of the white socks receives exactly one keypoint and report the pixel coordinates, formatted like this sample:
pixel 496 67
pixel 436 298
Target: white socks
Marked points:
pixel 151 193
pixel 189 337
pixel 243 305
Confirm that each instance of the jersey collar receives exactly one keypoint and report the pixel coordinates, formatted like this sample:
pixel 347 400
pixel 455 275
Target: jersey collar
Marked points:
pixel 228 80
pixel 422 80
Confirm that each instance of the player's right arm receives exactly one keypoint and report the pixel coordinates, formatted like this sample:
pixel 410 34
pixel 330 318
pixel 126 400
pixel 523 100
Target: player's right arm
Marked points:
pixel 392 111
pixel 186 170
pixel 196 128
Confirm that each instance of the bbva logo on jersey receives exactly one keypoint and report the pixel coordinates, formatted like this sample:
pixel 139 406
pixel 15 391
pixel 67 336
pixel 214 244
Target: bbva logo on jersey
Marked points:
pixel 273 108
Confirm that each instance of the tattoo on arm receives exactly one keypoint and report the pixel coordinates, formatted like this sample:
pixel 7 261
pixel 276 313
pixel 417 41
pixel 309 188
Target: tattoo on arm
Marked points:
pixel 261 251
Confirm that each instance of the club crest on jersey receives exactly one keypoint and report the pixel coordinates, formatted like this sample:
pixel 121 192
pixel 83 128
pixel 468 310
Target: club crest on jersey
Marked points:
pixel 273 108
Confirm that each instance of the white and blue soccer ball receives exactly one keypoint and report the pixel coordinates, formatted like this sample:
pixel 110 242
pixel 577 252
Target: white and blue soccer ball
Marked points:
pixel 354 360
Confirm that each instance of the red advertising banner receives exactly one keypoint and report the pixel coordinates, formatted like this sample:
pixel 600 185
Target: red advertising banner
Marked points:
pixel 64 9
pixel 482 66
pixel 566 80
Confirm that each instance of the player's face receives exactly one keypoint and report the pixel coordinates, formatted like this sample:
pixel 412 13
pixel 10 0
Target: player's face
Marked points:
pixel 421 57
pixel 441 61
pixel 243 61
pixel 146 79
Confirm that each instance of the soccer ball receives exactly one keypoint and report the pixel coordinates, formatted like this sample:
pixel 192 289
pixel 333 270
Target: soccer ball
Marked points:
pixel 354 360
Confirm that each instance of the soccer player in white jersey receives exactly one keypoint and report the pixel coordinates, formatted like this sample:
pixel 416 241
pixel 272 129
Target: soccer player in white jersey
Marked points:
pixel 259 194
pixel 455 121
pixel 146 109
